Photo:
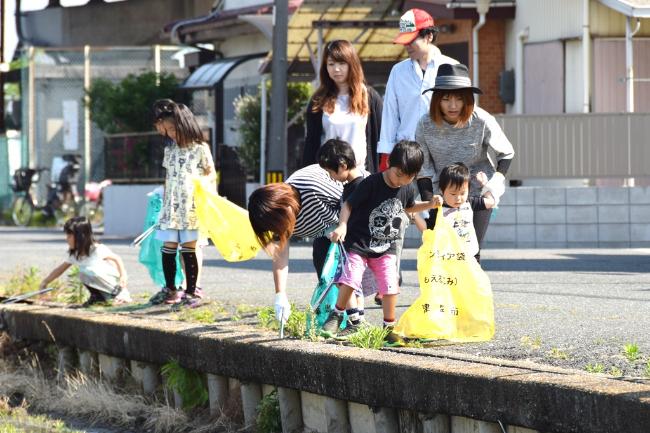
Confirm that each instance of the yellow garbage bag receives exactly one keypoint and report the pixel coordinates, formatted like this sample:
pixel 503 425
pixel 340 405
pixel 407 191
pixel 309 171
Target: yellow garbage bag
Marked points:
pixel 455 301
pixel 225 223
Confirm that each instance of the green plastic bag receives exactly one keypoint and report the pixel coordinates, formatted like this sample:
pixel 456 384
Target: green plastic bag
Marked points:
pixel 325 294
pixel 150 255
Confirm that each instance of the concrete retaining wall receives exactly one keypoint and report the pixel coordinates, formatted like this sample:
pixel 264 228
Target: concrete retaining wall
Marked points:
pixel 331 388
pixel 580 217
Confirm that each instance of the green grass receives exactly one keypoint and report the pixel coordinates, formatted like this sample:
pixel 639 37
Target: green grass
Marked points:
pixel 646 370
pixel 631 352
pixel 268 414
pixel 68 288
pixel 17 420
pixel 295 327
pixel 369 337
pixel 207 313
pixel 557 353
pixel 615 371
pixel 188 383
pixel 530 342
pixel 595 368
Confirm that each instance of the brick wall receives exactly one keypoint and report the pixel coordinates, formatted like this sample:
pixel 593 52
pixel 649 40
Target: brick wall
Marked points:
pixel 492 52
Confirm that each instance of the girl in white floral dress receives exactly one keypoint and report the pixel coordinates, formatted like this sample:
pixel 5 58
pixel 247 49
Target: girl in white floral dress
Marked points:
pixel 185 158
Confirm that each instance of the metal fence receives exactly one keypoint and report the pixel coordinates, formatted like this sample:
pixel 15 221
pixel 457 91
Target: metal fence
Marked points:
pixel 54 82
pixel 579 145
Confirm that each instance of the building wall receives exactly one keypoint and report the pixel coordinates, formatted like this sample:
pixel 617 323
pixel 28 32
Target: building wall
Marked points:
pixel 491 63
pixel 605 21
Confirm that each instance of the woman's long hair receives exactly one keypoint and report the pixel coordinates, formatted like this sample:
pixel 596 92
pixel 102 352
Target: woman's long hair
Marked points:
pixel 82 233
pixel 187 128
pixel 272 210
pixel 325 96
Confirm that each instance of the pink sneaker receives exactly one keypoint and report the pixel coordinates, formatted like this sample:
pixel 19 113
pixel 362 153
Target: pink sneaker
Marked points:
pixel 174 297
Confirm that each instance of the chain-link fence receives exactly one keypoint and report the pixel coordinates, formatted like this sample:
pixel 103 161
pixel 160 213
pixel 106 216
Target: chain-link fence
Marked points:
pixel 56 120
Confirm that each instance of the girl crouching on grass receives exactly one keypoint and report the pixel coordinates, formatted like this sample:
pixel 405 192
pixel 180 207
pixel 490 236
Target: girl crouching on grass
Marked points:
pixel 100 270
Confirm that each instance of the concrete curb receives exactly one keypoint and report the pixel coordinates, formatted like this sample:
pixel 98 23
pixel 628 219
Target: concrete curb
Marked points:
pixel 522 394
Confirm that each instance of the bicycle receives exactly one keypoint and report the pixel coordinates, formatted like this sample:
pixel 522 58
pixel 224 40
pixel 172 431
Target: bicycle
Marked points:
pixel 62 201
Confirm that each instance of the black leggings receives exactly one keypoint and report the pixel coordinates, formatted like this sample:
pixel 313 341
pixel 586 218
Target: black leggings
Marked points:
pixel 481 222
pixel 319 252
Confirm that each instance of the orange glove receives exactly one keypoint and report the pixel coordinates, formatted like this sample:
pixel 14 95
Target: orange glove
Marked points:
pixel 383 161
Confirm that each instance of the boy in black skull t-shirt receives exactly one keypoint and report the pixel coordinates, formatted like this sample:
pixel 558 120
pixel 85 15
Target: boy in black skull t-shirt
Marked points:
pixel 369 225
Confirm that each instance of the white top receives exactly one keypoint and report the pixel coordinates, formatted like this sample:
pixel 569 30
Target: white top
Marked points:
pixel 95 264
pixel 346 126
pixel 404 102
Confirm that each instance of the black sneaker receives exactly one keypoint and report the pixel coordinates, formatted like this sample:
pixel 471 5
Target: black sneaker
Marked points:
pixel 349 331
pixel 393 339
pixel 94 299
pixel 332 324
pixel 159 297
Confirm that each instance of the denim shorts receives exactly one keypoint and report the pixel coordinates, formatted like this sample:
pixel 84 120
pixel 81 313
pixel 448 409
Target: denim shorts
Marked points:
pixel 177 236
pixel 384 269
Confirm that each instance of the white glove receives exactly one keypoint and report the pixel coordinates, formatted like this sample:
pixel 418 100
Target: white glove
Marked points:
pixel 496 185
pixel 159 190
pixel 282 307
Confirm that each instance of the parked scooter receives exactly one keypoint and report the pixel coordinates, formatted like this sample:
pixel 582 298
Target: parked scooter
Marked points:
pixel 92 207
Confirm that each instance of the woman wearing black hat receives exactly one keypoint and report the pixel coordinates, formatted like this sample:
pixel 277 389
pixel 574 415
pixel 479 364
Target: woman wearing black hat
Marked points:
pixel 455 130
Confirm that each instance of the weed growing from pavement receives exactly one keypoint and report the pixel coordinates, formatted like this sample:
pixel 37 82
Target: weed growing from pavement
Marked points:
pixel 557 353
pixel 615 371
pixel 268 414
pixel 188 383
pixel 646 370
pixel 15 419
pixel 295 327
pixel 631 352
pixel 531 343
pixel 595 368
pixel 369 337
pixel 25 280
pixel 206 313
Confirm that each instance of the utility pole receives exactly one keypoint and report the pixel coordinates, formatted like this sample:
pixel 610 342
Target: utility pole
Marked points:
pixel 277 149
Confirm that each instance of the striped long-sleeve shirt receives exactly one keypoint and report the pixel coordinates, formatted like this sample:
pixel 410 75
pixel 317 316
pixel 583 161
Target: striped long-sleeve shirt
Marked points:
pixel 319 200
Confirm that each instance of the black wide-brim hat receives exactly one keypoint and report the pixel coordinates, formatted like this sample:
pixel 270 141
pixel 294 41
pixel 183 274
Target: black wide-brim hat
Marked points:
pixel 453 77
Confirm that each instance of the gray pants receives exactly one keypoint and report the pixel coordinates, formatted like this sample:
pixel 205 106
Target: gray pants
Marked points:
pixel 107 288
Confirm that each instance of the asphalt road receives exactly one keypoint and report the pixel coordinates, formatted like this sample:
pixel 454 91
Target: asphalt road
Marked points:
pixel 563 307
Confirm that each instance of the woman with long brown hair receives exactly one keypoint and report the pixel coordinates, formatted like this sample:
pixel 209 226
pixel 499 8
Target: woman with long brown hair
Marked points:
pixel 343 107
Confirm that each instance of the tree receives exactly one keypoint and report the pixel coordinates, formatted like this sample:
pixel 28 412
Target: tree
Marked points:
pixel 126 106
pixel 247 113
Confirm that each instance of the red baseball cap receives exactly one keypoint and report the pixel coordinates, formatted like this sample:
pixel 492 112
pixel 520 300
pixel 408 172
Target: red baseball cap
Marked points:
pixel 410 25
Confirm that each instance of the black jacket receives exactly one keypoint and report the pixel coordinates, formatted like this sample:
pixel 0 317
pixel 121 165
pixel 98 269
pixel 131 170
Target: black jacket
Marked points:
pixel 314 126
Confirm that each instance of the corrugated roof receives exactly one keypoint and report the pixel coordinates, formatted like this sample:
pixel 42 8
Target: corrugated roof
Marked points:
pixel 375 44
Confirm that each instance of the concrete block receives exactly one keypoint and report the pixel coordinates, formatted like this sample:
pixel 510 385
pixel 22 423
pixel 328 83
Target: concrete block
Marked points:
pixel 290 410
pixel 509 198
pixel 613 214
pixel 66 362
pixel 461 424
pixel 550 233
pixel 582 232
pixel 550 214
pixel 640 195
pixel 525 214
pixel 581 214
pixel 362 420
pixel 614 195
pixel 504 215
pixel 439 423
pixel 525 196
pixel 386 420
pixel 336 415
pixel 409 421
pixel 217 393
pixel 639 213
pixel 581 196
pixel 550 196
pixel 313 411
pixel 517 429
pixel 640 232
pixel 251 395
pixel 146 375
pixel 525 233
pixel 267 389
pixel 178 400
pixel 88 363
pixel 112 368
pixel 501 233
pixel 613 233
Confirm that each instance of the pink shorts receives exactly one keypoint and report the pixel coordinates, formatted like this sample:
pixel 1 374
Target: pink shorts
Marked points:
pixel 384 269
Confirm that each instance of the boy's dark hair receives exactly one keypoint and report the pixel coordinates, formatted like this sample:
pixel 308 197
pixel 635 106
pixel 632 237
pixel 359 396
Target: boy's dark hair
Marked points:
pixel 407 156
pixel 334 153
pixel 82 232
pixel 188 131
pixel 455 175
pixel 429 31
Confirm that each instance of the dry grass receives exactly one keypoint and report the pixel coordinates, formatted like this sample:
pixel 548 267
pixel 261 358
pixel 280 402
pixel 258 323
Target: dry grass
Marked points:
pixel 99 403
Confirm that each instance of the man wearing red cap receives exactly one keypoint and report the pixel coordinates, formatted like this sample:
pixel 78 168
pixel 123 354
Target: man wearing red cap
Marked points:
pixel 404 102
